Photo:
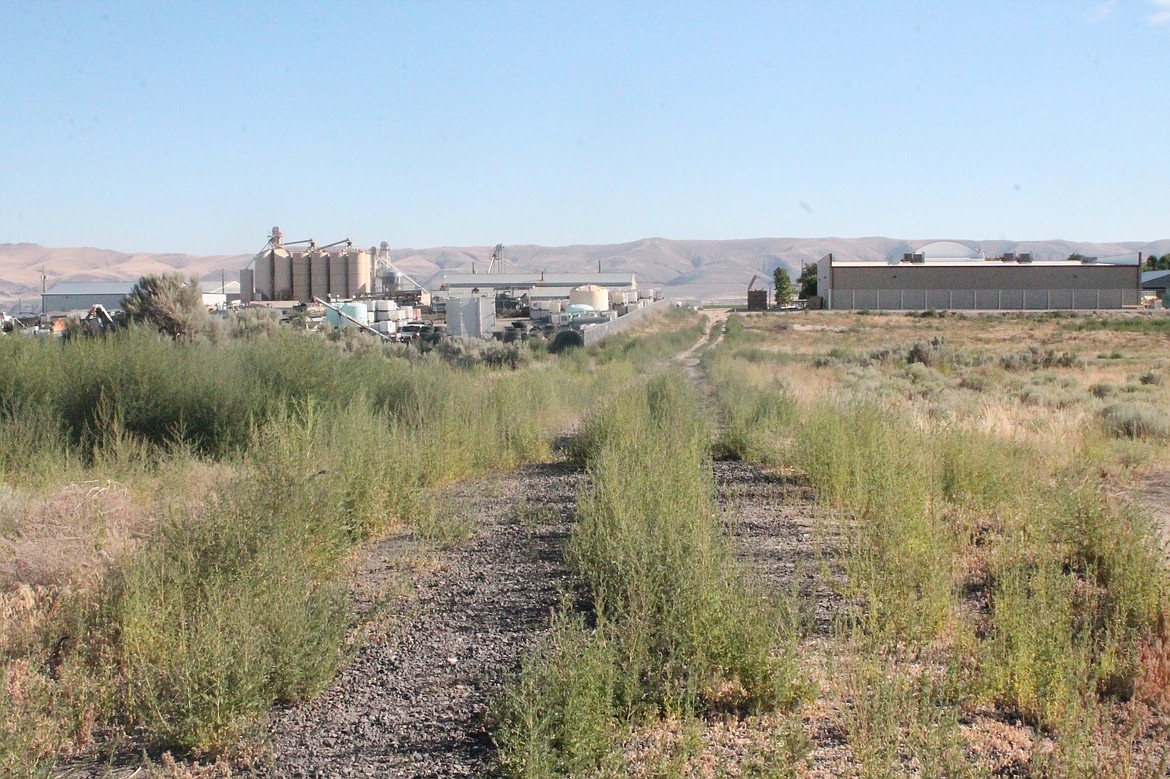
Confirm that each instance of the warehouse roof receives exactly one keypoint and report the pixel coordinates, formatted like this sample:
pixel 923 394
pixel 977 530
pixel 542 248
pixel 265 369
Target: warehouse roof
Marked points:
pixel 91 288
pixel 1155 279
pixel 977 264
pixel 515 280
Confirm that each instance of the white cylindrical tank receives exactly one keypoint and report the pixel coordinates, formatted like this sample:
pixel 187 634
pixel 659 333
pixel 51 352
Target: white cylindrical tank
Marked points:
pixel 358 310
pixel 590 295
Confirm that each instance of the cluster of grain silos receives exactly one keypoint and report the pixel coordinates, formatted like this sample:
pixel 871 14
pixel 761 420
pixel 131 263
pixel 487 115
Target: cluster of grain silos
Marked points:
pixel 280 274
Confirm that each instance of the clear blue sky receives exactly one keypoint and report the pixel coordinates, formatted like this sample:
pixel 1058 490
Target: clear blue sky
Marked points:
pixel 196 127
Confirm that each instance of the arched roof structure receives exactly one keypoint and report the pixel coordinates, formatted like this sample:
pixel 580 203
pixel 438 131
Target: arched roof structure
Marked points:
pixel 949 251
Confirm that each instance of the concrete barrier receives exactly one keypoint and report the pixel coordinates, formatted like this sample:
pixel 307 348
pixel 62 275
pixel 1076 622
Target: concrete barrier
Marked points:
pixel 597 333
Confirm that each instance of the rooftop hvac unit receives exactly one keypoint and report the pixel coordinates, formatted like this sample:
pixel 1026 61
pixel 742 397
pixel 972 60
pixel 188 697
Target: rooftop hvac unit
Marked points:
pixel 1025 257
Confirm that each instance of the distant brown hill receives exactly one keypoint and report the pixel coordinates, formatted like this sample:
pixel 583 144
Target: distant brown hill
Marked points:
pixel 706 270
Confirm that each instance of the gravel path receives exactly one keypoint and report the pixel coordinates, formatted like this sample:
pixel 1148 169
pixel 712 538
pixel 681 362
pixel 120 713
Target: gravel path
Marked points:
pixel 413 701
pixel 770 516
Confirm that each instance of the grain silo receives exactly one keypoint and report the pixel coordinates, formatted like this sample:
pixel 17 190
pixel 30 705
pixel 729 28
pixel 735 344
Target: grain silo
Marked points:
pixel 338 284
pixel 300 276
pixel 282 275
pixel 318 275
pixel 264 272
pixel 325 272
pixel 359 273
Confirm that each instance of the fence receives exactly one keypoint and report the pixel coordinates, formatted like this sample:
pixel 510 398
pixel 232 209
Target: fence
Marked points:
pixel 597 333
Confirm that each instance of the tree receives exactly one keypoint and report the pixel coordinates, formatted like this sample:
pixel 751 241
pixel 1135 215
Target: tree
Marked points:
pixel 1154 262
pixel 169 302
pixel 808 282
pixel 785 292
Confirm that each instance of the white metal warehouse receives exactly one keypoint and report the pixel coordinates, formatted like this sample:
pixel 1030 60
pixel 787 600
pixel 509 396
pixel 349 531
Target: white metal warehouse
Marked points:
pixel 950 275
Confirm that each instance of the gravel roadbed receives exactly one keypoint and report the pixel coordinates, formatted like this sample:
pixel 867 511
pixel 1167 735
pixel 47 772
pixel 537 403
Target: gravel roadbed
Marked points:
pixel 413 701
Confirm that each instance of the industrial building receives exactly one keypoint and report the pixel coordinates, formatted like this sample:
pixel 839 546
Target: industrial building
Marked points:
pixel 336 271
pixel 1156 282
pixel 465 284
pixel 951 275
pixel 67 296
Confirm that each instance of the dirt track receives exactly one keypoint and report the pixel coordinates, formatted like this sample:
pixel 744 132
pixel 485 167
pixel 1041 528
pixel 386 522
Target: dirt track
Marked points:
pixel 414 700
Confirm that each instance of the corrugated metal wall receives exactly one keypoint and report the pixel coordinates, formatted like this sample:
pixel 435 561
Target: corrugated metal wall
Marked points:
pixel 1028 288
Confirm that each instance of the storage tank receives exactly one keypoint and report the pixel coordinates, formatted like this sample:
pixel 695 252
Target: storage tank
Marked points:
pixel 300 277
pixel 365 274
pixel 590 295
pixel 352 274
pixel 263 278
pixel 391 281
pixel 247 285
pixel 282 275
pixel 357 310
pixel 319 275
pixel 338 286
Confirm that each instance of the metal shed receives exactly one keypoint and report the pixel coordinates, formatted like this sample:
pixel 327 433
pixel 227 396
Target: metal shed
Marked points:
pixel 84 295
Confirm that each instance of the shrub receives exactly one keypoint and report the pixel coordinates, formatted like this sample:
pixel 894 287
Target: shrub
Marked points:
pixel 168 302
pixel 565 340
pixel 1036 358
pixel 678 630
pixel 1135 420
pixel 1102 390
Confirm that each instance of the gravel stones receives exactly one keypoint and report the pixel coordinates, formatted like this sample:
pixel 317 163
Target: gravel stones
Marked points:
pixel 414 702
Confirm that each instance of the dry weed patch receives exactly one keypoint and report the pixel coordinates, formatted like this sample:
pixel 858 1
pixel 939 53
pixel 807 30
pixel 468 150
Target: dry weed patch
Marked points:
pixel 1005 607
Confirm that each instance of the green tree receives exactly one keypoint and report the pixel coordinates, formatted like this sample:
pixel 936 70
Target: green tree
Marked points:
pixel 169 302
pixel 785 292
pixel 808 282
pixel 1154 262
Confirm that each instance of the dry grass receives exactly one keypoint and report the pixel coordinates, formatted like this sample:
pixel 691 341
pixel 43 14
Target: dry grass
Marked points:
pixel 1039 435
pixel 71 534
